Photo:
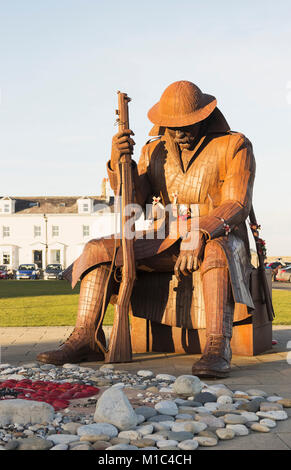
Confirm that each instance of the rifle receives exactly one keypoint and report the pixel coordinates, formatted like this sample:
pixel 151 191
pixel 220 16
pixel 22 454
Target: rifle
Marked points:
pixel 260 244
pixel 119 349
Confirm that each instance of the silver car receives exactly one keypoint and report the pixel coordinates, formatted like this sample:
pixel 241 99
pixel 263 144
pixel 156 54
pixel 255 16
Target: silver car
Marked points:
pixel 284 274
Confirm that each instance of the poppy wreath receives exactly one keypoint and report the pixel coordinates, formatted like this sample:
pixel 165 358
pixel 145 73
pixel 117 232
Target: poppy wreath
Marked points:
pixel 262 246
pixel 56 394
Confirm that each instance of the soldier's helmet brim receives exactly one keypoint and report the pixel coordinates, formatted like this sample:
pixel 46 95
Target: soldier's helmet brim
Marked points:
pixel 182 104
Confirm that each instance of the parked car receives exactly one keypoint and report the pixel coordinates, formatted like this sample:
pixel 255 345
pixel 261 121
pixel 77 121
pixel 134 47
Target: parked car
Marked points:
pixel 284 274
pixel 52 271
pixel 28 271
pixel 60 275
pixel 275 266
pixel 6 272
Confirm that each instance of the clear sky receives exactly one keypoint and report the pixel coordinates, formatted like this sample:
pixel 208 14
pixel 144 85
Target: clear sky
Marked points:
pixel 62 61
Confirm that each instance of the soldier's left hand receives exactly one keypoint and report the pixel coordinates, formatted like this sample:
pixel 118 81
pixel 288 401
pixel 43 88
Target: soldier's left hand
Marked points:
pixel 191 254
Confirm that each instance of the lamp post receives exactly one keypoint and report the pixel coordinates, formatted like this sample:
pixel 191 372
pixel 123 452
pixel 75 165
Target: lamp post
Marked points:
pixel 46 240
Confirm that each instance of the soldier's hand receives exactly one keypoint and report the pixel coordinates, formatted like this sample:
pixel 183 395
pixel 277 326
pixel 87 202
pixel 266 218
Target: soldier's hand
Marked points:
pixel 122 144
pixel 190 256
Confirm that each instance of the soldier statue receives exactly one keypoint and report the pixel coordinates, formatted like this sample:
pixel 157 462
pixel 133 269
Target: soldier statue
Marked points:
pixel 194 158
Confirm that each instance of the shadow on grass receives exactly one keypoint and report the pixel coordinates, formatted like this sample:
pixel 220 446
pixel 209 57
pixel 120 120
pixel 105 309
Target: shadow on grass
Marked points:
pixel 30 288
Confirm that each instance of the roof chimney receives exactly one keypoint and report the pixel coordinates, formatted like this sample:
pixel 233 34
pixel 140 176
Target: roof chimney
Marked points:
pixel 105 188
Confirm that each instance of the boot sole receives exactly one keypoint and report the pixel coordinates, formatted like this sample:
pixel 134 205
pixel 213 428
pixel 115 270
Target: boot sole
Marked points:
pixel 92 357
pixel 211 374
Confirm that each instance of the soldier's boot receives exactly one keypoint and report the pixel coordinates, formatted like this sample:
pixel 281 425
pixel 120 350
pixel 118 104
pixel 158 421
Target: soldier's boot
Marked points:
pixel 219 308
pixel 81 345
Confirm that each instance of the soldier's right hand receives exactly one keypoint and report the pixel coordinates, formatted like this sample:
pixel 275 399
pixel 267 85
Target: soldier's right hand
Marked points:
pixel 122 144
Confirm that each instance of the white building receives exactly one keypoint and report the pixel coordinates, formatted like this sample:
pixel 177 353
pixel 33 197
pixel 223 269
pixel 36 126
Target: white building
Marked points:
pixel 45 230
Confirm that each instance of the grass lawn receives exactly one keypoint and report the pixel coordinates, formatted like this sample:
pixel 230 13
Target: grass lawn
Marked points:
pixel 40 303
pixel 54 303
pixel 282 307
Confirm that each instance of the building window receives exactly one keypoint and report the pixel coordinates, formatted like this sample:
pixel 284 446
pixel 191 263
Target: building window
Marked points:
pixel 37 230
pixel 6 231
pixel 55 256
pixel 55 231
pixel 6 258
pixel 86 207
pixel 6 207
pixel 86 231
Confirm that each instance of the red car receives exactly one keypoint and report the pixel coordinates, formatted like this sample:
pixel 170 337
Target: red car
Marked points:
pixel 5 272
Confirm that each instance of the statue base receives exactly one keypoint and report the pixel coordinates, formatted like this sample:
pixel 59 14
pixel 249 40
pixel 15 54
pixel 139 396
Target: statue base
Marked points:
pixel 248 339
pixel 165 320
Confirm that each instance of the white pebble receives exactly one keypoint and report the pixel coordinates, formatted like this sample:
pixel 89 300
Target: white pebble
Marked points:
pixel 146 429
pixel 211 406
pixel 166 377
pixel 59 447
pixel 256 392
pixel 224 400
pixel 145 373
pixel 275 415
pixel 167 443
pixel 270 423
pixel 189 444
pixel 163 425
pixel 239 429
pixel 131 435
pixel 239 394
pixel 167 407
pixel 250 415
pixel 107 367
pixel 274 398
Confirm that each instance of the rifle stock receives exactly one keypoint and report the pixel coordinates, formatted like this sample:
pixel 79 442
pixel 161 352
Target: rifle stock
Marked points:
pixel 119 349
pixel 267 296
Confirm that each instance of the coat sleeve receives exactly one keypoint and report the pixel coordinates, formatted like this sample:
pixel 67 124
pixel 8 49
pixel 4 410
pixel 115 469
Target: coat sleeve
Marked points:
pixel 142 187
pixel 236 193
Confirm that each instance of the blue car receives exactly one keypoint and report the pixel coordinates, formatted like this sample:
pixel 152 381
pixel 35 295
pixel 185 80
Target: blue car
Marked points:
pixel 27 271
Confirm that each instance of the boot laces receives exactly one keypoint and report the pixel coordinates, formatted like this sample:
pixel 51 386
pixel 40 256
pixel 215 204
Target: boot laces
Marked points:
pixel 215 345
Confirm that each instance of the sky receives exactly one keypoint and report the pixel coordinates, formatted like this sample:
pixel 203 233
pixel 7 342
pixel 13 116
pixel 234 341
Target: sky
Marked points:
pixel 62 62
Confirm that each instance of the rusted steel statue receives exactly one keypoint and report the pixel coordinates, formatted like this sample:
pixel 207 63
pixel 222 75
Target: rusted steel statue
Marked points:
pixel 205 171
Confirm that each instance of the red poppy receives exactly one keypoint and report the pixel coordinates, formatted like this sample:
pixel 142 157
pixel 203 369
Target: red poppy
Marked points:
pixel 56 394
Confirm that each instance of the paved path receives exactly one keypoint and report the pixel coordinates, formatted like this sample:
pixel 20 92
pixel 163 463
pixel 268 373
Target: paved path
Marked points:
pixel 270 372
pixel 281 285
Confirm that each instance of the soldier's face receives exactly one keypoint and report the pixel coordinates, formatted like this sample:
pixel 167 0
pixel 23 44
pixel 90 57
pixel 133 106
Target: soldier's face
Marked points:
pixel 185 136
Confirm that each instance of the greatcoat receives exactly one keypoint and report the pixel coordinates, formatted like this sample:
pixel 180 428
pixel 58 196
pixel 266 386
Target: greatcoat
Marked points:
pixel 218 181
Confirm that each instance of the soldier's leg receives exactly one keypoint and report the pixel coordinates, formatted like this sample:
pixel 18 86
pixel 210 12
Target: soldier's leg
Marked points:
pixel 81 345
pixel 219 309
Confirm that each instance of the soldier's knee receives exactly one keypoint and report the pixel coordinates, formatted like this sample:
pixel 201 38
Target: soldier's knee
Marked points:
pixel 95 242
pixel 214 257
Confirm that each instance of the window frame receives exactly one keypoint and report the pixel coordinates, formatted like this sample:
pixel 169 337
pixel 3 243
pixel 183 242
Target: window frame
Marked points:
pixel 5 229
pixel 55 230
pixel 86 228
pixel 4 254
pixel 37 228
